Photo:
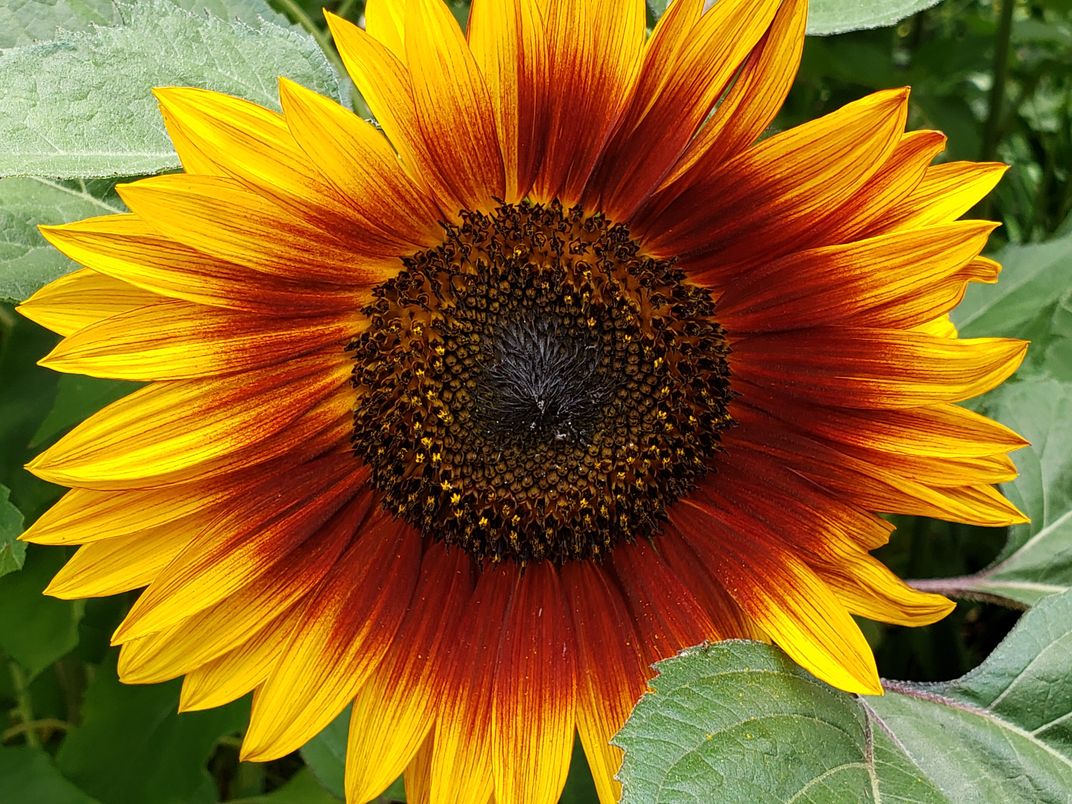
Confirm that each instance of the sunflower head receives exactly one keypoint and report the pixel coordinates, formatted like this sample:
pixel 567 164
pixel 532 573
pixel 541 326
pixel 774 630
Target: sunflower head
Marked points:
pixel 467 418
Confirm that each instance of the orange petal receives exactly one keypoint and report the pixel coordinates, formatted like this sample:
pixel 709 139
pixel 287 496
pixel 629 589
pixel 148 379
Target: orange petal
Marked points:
pixel 867 484
pixel 785 597
pixel 347 627
pixel 873 368
pixel 418 776
pixel 775 190
pixel 610 672
pixel 755 97
pixel 672 100
pixel 359 162
pixel 454 108
pixel 461 753
pixel 665 612
pixel 394 711
pixel 891 184
pixel 241 616
pixel 831 536
pixel 879 281
pixel 593 51
pixel 534 696
pixel 182 430
pixel 940 430
pixel 226 221
pixel 247 542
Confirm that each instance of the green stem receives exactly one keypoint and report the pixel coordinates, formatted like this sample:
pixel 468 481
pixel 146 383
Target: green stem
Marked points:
pixel 297 13
pixel 997 88
pixel 23 704
pixel 33 726
pixel 345 9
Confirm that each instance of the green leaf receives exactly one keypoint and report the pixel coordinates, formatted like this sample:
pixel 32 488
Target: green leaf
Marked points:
pixel 26 21
pixel 78 397
pixel 1032 301
pixel 1000 732
pixel 133 747
pixel 1034 279
pixel 81 106
pixel 838 16
pixel 1037 559
pixel 12 551
pixel 657 7
pixel 35 630
pixel 27 774
pixel 302 788
pixel 27 261
pixel 740 721
pixel 325 754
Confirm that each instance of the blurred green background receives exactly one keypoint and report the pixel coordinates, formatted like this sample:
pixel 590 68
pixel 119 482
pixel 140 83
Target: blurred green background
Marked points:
pixel 996 77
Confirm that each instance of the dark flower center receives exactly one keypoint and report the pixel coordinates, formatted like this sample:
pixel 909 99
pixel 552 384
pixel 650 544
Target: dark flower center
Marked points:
pixel 536 388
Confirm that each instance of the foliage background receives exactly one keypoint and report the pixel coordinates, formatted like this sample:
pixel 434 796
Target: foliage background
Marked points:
pixel 995 76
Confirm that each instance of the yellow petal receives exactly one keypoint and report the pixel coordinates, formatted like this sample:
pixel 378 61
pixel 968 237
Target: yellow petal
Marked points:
pixel 357 159
pixel 176 340
pixel 252 144
pixel 82 298
pixel 384 83
pixel 180 430
pixel 755 97
pixel 232 675
pixel 385 22
pixel 507 39
pixel 130 250
pixel 347 628
pixel 119 564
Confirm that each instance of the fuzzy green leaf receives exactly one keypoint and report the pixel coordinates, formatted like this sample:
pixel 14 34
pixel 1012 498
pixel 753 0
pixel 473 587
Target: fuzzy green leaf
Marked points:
pixel 26 21
pixel 1033 300
pixel 27 261
pixel 52 118
pixel 838 16
pixel 1037 559
pixel 739 722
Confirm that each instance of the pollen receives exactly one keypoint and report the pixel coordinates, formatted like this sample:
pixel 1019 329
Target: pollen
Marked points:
pixel 569 387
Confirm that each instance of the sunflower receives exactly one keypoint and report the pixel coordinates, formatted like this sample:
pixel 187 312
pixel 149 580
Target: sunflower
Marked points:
pixel 467 417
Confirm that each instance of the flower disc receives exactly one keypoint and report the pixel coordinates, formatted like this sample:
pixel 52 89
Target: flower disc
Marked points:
pixel 535 388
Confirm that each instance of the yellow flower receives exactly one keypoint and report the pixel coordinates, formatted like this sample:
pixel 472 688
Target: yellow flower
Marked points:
pixel 470 418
